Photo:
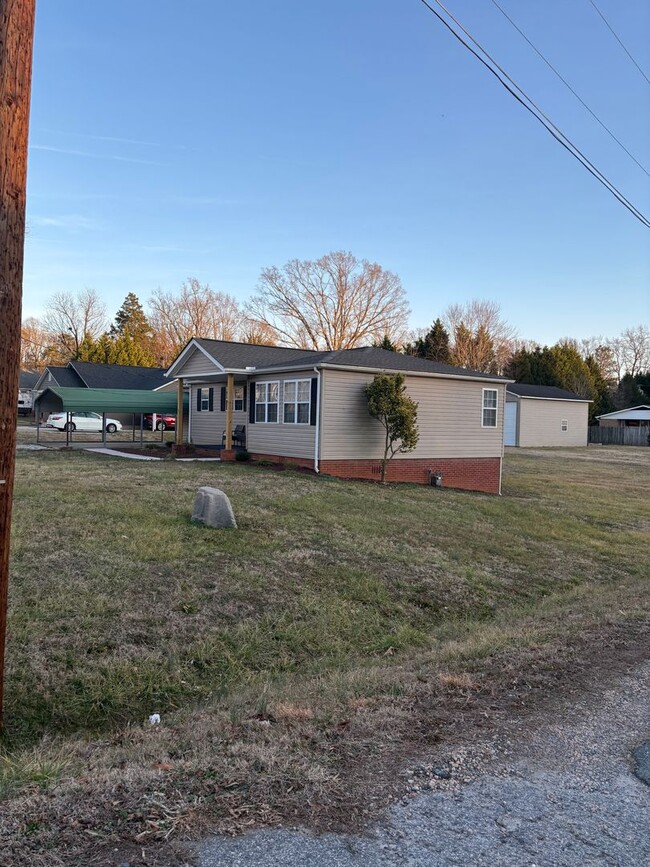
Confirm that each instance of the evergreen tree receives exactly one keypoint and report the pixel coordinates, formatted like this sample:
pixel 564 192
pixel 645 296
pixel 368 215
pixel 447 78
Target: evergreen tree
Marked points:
pixel 435 344
pixel 386 343
pixel 389 403
pixel 131 317
pixel 603 401
pixel 629 393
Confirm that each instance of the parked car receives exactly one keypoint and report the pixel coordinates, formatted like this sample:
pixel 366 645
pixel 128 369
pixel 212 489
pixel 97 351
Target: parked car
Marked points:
pixel 86 421
pixel 163 422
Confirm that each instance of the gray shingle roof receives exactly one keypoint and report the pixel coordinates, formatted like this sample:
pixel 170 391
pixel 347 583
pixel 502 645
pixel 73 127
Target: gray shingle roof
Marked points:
pixel 28 379
pixel 550 392
pixel 118 376
pixel 238 356
pixel 242 355
pixel 63 376
pixel 384 359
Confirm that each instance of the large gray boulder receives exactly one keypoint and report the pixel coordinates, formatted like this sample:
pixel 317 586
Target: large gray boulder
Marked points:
pixel 212 507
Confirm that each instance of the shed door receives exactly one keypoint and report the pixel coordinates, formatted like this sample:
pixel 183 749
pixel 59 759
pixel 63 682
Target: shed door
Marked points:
pixel 510 431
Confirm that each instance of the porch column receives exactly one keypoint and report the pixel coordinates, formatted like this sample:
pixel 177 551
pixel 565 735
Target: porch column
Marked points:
pixel 230 402
pixel 179 413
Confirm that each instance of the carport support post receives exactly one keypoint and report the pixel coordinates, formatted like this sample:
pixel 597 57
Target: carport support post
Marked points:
pixel 104 428
pixel 230 401
pixel 16 42
pixel 179 413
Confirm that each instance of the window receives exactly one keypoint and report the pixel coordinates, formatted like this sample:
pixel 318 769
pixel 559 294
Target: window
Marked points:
pixel 296 399
pixel 266 401
pixel 239 398
pixel 205 399
pixel 489 407
pixel 564 424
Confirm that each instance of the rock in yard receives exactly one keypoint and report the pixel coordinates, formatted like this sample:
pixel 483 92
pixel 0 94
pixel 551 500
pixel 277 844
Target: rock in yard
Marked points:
pixel 212 507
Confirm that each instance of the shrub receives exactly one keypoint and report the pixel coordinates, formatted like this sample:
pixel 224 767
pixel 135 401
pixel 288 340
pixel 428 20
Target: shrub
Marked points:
pixel 243 455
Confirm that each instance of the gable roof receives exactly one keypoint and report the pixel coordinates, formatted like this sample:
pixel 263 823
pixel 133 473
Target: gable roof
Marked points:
pixel 543 392
pixel 63 376
pixel 28 379
pixel 119 376
pixel 638 413
pixel 239 356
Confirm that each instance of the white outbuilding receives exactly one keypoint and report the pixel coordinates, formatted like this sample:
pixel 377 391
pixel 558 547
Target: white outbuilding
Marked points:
pixel 543 416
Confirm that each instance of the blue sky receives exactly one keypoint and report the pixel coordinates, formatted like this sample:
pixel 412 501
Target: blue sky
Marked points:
pixel 212 139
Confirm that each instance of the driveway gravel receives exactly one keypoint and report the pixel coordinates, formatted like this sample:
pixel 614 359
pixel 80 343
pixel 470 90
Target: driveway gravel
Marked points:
pixel 557 789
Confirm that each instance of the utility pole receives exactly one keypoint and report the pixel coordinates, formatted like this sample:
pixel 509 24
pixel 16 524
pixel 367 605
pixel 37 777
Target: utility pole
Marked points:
pixel 16 45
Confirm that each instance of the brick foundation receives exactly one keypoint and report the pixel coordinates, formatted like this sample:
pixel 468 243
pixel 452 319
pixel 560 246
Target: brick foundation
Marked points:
pixel 467 474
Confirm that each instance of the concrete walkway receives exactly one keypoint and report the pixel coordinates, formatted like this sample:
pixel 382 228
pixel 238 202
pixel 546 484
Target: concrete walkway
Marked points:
pixel 559 793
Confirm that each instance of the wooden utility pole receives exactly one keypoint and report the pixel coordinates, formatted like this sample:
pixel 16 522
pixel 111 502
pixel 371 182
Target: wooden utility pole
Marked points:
pixel 16 41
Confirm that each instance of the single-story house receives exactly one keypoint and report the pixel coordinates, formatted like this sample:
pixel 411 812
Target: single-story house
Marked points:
pixel 635 416
pixel 28 380
pixel 116 377
pixel 309 408
pixel 543 415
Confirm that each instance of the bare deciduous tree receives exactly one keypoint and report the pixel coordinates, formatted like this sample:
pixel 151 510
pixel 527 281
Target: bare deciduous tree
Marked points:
pixel 482 339
pixel 254 331
pixel 195 311
pixel 36 346
pixel 71 319
pixel 335 302
pixel 636 349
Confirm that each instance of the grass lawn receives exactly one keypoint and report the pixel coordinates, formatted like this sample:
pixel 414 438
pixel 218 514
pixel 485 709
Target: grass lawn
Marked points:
pixel 342 625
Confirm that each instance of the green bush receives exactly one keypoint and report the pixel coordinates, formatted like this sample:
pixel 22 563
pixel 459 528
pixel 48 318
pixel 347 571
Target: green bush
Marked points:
pixel 243 456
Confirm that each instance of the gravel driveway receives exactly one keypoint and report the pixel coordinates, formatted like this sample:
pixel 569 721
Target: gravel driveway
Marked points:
pixel 556 791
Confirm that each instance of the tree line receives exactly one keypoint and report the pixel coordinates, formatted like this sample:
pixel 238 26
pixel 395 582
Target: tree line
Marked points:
pixel 335 302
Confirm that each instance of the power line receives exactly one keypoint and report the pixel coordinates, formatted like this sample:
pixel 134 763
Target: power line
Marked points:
pixel 618 39
pixel 503 78
pixel 566 83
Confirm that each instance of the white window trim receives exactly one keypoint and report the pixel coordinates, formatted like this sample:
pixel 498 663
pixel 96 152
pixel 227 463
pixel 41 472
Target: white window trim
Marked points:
pixel 495 408
pixel 205 396
pixel 265 403
pixel 564 425
pixel 240 399
pixel 295 402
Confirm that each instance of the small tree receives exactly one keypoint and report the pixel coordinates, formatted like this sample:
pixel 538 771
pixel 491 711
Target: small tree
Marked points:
pixel 389 403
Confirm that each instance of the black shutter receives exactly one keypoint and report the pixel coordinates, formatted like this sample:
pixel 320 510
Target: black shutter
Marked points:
pixel 251 403
pixel 243 406
pixel 210 399
pixel 223 398
pixel 314 401
pixel 198 400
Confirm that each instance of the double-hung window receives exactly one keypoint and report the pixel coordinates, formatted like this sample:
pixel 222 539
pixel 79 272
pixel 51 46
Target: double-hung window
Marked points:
pixel 266 401
pixel 564 424
pixel 296 401
pixel 205 399
pixel 239 398
pixel 489 418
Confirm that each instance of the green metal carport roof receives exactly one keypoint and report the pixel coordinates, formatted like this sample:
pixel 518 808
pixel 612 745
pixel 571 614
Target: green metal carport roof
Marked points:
pixel 108 400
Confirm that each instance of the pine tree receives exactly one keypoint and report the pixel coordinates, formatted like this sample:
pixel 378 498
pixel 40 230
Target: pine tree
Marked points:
pixel 131 336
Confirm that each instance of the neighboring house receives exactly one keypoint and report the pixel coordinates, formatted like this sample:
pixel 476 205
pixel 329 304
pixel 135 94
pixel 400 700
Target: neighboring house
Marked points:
pixel 543 415
pixel 27 382
pixel 635 416
pixel 86 374
pixel 309 408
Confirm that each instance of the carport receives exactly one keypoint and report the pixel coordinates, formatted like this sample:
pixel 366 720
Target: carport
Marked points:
pixel 110 400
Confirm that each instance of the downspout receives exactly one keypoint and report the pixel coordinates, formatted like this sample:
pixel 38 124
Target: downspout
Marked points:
pixel 189 417
pixel 317 431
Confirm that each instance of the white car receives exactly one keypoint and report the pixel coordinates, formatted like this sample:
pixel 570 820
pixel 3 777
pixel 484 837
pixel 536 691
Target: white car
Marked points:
pixel 88 421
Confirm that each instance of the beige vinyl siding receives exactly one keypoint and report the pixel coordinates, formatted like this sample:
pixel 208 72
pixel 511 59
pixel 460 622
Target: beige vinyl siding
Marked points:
pixel 207 427
pixel 540 422
pixel 278 438
pixel 196 364
pixel 449 418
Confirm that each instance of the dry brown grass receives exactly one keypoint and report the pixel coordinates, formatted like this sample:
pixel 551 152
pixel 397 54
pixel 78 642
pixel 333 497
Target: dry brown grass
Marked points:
pixel 299 661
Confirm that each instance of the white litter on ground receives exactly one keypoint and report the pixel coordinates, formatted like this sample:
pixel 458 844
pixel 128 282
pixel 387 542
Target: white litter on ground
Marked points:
pixel 32 448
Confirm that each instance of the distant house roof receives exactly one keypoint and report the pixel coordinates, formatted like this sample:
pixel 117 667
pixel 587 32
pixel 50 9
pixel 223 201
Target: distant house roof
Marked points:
pixel 633 413
pixel 119 376
pixel 63 376
pixel 542 392
pixel 87 374
pixel 28 379
pixel 239 356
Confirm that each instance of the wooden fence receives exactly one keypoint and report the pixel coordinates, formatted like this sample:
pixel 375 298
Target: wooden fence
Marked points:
pixel 620 436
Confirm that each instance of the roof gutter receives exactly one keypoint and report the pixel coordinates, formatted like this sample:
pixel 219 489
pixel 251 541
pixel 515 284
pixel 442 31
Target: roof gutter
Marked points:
pixel 498 380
